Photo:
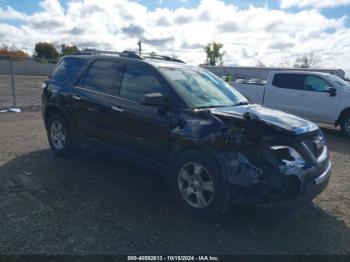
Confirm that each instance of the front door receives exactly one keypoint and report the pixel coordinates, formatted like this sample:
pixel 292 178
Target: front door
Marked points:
pixel 314 102
pixel 140 129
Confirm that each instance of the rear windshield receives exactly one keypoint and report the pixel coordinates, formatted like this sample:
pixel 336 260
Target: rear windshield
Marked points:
pixel 68 69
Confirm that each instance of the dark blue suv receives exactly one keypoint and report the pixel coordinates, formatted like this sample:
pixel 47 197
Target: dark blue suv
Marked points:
pixel 209 142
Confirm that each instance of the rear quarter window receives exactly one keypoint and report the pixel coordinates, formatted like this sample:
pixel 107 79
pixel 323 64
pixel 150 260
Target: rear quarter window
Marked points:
pixel 68 69
pixel 288 81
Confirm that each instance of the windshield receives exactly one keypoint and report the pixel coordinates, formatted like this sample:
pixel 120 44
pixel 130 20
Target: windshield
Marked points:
pixel 201 89
pixel 340 82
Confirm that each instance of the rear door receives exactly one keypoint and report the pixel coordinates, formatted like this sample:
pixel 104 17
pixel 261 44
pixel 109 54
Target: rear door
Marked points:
pixel 140 129
pixel 280 93
pixel 314 101
pixel 92 98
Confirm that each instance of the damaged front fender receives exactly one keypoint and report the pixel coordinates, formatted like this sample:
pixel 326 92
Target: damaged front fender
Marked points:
pixel 248 150
pixel 203 129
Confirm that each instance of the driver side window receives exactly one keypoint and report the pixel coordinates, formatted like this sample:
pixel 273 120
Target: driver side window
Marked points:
pixel 316 84
pixel 138 81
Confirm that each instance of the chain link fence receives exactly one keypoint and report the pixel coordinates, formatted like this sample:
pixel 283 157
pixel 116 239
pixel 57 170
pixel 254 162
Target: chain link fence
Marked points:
pixel 20 82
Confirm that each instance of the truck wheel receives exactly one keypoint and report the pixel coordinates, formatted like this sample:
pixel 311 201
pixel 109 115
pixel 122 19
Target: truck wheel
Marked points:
pixel 345 125
pixel 60 139
pixel 199 185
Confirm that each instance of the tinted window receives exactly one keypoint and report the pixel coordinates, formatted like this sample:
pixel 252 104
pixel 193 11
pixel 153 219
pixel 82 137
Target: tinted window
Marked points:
pixel 316 84
pixel 68 69
pixel 102 77
pixel 137 82
pixel 288 81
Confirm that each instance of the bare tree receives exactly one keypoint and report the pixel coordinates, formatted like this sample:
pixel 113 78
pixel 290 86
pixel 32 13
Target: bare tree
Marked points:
pixel 307 60
pixel 214 55
pixel 260 64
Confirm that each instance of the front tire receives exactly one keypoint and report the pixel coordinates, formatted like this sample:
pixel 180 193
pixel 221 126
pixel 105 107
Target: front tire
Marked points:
pixel 198 184
pixel 345 125
pixel 59 136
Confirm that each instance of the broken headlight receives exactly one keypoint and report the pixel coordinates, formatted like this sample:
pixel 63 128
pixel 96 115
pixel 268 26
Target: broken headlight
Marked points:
pixel 292 163
pixel 288 155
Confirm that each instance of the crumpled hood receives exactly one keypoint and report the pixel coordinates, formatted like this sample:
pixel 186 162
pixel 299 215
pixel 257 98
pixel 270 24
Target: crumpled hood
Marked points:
pixel 288 122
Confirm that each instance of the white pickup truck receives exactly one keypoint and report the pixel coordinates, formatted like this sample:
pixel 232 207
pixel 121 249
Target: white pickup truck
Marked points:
pixel 319 97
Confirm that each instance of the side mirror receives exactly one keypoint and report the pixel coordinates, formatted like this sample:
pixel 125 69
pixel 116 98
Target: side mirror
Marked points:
pixel 155 99
pixel 332 91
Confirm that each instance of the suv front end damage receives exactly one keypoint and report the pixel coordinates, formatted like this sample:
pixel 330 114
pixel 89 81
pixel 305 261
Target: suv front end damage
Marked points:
pixel 266 162
pixel 276 167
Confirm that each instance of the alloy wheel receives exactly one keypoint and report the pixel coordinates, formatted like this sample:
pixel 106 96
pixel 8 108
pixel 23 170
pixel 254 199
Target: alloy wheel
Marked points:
pixel 347 126
pixel 57 135
pixel 196 185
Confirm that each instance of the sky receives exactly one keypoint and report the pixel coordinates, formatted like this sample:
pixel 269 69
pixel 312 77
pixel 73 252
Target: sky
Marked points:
pixel 273 32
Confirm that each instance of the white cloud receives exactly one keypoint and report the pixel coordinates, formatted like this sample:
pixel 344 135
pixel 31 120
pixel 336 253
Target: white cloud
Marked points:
pixel 9 13
pixel 272 36
pixel 52 6
pixel 313 3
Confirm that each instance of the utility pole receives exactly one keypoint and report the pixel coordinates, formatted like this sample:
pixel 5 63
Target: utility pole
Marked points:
pixel 139 43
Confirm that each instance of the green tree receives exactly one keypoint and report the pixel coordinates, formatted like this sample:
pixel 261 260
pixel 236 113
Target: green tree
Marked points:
pixel 45 50
pixel 68 49
pixel 214 54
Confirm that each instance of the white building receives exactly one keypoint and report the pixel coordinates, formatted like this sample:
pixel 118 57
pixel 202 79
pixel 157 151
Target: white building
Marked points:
pixel 261 73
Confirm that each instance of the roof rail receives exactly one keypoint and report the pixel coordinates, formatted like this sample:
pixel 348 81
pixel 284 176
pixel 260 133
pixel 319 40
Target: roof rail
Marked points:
pixel 130 54
pixel 161 57
pixel 103 52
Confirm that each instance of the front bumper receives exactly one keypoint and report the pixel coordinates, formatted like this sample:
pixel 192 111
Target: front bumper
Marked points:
pixel 309 190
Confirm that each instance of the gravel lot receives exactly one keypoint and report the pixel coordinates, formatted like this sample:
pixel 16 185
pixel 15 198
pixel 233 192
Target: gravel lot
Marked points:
pixel 96 203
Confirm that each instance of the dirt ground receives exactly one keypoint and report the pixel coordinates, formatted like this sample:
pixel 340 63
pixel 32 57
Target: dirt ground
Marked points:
pixel 96 203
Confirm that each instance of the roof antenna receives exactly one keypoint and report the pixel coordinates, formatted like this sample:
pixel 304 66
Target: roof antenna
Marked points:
pixel 139 43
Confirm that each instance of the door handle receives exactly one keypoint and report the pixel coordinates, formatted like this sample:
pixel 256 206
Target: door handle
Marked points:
pixel 76 97
pixel 118 109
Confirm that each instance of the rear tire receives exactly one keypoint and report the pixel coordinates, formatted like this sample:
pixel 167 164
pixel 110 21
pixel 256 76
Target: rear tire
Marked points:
pixel 345 125
pixel 59 136
pixel 199 185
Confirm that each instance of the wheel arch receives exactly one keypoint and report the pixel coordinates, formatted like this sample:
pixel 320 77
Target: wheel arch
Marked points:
pixel 52 109
pixel 342 114
pixel 187 144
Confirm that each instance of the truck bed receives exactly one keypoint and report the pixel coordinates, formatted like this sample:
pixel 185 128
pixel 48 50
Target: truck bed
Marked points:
pixel 255 92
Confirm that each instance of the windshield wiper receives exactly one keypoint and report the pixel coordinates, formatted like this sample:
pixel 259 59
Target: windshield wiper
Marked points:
pixel 216 106
pixel 209 106
pixel 242 103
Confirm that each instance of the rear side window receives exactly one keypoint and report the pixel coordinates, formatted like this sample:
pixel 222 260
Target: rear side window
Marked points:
pixel 289 81
pixel 138 81
pixel 68 69
pixel 102 77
